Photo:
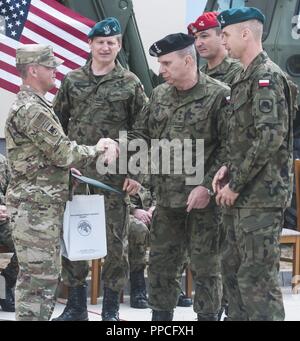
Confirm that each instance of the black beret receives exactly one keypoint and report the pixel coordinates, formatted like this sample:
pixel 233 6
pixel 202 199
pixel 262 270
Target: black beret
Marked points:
pixel 171 43
pixel 106 28
pixel 237 15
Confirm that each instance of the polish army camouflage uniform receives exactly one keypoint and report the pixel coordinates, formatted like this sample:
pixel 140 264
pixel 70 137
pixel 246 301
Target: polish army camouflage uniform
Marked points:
pixel 193 114
pixel 225 72
pixel 138 234
pixel 91 107
pixel 39 156
pixel 11 271
pixel 259 155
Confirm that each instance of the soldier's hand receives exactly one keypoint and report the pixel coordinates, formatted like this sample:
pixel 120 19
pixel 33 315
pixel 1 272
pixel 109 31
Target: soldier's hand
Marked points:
pixel 131 186
pixel 198 198
pixel 3 213
pixel 226 197
pixel 109 149
pixel 142 215
pixel 220 179
pixel 75 182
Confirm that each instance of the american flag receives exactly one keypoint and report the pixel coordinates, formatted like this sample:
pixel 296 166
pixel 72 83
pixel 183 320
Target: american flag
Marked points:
pixel 41 22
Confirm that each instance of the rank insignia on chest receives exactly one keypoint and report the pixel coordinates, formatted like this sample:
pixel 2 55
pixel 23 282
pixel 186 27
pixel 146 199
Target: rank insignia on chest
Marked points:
pixel 263 83
pixel 265 105
pixel 51 130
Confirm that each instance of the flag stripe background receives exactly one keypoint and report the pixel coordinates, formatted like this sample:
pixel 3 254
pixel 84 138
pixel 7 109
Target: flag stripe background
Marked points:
pixel 49 23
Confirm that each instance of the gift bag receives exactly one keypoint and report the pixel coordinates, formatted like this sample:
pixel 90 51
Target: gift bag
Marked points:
pixel 84 229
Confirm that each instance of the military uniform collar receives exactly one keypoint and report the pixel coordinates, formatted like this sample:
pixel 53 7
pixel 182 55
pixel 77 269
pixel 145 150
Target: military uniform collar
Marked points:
pixel 30 90
pixel 256 62
pixel 198 91
pixel 221 69
pixel 116 72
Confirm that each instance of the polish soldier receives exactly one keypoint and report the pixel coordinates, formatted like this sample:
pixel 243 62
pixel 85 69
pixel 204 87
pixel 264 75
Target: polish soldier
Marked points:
pixel 188 106
pixel 255 185
pixel 99 100
pixel 209 44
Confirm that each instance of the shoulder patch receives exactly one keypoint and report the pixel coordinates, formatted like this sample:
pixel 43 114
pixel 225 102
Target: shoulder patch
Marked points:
pixel 265 105
pixel 263 83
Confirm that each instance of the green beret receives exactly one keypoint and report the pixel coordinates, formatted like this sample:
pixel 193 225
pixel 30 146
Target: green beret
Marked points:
pixel 106 28
pixel 237 15
pixel 171 43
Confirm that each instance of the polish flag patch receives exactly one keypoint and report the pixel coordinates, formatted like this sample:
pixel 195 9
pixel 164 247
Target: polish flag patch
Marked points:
pixel 263 83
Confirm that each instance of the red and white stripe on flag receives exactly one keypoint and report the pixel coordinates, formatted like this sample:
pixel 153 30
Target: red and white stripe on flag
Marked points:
pixel 263 83
pixel 49 23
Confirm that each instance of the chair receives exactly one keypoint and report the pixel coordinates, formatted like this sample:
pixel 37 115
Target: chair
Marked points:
pixel 292 237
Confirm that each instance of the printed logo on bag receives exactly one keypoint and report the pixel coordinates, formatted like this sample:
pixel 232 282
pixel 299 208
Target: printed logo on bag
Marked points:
pixel 84 228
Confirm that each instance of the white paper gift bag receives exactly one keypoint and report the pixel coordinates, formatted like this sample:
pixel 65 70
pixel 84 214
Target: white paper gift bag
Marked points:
pixel 84 229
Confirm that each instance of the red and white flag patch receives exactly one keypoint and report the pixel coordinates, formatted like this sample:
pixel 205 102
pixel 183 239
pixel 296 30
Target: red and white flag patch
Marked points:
pixel 263 83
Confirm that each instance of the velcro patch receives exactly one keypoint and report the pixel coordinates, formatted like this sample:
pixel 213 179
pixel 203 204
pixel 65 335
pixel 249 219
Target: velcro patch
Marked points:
pixel 263 83
pixel 266 105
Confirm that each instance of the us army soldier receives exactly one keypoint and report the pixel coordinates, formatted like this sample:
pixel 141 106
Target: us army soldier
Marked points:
pixel 39 157
pixel 255 185
pixel 99 100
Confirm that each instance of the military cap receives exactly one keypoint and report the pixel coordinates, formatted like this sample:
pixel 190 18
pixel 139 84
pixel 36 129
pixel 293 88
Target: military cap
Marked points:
pixel 237 15
pixel 206 21
pixel 37 54
pixel 106 28
pixel 170 43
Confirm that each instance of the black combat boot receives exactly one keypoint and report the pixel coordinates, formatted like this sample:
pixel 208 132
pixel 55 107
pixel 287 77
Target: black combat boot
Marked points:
pixel 207 317
pixel 76 308
pixel 224 309
pixel 138 294
pixel 110 306
pixel 162 315
pixel 184 301
pixel 8 304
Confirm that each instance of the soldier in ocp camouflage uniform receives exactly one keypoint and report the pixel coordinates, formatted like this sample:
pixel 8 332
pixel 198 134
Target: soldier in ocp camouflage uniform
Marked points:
pixel 189 106
pixel 39 157
pixel 255 184
pixel 11 271
pixel 99 100
pixel 209 44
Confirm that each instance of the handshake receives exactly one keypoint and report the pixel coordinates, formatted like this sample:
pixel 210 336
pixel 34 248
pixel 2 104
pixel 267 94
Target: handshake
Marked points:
pixel 108 149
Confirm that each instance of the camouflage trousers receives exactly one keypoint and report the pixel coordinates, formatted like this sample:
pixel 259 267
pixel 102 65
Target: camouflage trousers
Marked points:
pixel 250 263
pixel 138 241
pixel 11 271
pixel 173 232
pixel 115 268
pixel 36 231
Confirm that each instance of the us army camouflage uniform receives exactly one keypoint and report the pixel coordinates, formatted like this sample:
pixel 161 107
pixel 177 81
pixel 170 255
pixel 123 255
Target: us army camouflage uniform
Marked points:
pixel 39 157
pixel 91 107
pixel 225 72
pixel 11 271
pixel 259 158
pixel 138 234
pixel 192 114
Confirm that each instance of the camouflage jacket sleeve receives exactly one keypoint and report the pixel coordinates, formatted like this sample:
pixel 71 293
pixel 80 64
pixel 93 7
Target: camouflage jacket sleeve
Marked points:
pixel 271 125
pixel 220 153
pixel 61 105
pixel 47 135
pixel 4 179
